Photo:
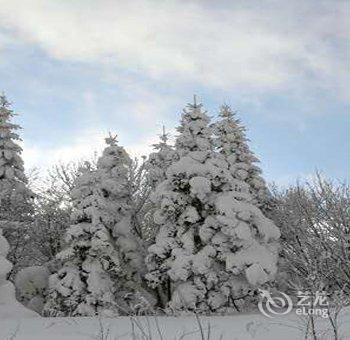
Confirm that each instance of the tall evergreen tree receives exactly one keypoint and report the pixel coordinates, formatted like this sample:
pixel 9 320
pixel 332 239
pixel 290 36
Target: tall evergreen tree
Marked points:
pixel 84 286
pixel 15 197
pixel 115 204
pixel 156 166
pixel 213 245
pixel 232 143
pixel 159 160
pixel 103 260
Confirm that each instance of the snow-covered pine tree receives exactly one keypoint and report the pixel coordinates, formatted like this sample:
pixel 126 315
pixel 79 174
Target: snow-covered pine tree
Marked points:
pixel 232 143
pixel 213 245
pixel 9 306
pixel 156 166
pixel 159 161
pixel 115 205
pixel 103 259
pixel 15 197
pixel 84 286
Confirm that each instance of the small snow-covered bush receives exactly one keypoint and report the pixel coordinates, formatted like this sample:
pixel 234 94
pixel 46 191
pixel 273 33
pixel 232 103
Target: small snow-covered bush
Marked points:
pixel 9 306
pixel 315 221
pixel 31 284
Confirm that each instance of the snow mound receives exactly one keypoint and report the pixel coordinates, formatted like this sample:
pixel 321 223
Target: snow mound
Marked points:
pixel 9 306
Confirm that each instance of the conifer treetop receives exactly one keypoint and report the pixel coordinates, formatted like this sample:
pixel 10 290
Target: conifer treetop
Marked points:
pixel 227 113
pixel 195 134
pixel 232 143
pixel 6 114
pixel 111 139
pixel 163 142
pixel 11 163
pixel 5 105
pixel 159 161
pixel 232 136
pixel 113 156
pixel 163 137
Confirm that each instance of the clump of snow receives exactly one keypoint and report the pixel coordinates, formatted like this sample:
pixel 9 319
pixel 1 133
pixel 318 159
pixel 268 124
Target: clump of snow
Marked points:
pixel 200 187
pixel 186 296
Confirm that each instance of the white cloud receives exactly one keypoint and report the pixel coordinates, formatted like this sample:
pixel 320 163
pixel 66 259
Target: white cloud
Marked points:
pixel 228 45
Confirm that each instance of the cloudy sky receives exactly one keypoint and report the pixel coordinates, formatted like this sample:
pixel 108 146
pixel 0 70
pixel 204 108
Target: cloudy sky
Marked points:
pixel 75 70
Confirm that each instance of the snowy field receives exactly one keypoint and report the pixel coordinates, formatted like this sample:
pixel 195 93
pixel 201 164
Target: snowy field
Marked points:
pixel 243 327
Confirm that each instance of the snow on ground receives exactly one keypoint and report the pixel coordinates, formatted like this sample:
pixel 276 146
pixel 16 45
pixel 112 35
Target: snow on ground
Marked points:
pixel 241 327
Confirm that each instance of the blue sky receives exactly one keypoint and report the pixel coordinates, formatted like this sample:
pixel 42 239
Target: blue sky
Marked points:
pixel 78 69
